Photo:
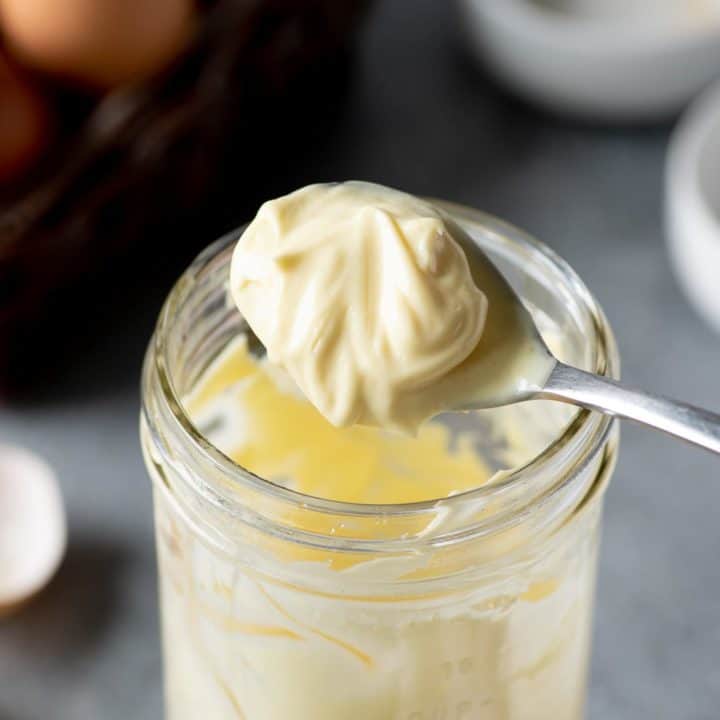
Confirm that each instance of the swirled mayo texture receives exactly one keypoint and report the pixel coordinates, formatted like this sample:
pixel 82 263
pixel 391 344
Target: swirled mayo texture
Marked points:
pixel 363 295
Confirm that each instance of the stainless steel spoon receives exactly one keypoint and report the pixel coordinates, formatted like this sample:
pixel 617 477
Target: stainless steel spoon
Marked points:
pixel 570 385
pixel 512 364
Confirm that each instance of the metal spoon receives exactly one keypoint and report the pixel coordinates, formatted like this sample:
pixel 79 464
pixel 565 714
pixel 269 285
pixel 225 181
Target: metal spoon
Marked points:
pixel 512 364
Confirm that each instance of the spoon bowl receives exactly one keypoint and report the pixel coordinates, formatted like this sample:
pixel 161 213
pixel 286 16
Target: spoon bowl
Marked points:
pixel 512 364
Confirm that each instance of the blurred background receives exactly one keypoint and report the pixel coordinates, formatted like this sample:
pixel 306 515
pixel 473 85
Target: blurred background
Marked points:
pixel 135 132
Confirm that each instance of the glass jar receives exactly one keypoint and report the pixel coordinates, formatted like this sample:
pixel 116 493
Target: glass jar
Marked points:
pixel 281 606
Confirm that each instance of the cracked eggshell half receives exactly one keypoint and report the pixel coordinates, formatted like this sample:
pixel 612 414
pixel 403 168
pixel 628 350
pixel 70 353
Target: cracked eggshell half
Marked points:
pixel 33 530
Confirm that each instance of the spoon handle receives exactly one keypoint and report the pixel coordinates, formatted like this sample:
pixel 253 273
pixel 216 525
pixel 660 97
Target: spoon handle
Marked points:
pixel 697 426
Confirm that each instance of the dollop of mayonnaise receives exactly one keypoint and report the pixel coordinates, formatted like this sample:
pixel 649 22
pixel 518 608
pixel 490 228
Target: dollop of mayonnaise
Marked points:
pixel 363 296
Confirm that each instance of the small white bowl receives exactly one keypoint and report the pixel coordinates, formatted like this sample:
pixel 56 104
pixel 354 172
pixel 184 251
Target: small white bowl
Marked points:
pixel 692 204
pixel 616 63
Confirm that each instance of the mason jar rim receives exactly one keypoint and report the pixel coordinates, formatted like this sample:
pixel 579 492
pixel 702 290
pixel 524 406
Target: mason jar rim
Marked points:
pixel 586 433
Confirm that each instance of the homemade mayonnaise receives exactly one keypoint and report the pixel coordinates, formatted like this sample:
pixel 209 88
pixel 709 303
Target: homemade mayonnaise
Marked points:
pixel 374 318
pixel 240 646
pixel 361 293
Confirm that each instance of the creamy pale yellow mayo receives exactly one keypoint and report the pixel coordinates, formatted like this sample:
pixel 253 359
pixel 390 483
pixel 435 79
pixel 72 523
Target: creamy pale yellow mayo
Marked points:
pixel 364 296
pixel 242 647
pixel 381 308
pixel 276 433
pixel 361 293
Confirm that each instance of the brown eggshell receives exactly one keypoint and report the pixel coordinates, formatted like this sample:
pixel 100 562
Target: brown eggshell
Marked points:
pixel 100 43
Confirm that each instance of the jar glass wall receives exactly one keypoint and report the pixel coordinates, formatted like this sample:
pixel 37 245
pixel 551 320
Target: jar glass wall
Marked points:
pixel 278 605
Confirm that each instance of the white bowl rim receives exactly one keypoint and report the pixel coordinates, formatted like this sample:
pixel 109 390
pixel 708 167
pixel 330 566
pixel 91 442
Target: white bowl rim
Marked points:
pixel 572 31
pixel 692 224
pixel 696 128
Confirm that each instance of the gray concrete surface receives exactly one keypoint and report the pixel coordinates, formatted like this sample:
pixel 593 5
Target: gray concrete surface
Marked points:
pixel 420 117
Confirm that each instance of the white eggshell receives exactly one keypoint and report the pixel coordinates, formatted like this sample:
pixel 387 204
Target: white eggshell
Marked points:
pixel 33 532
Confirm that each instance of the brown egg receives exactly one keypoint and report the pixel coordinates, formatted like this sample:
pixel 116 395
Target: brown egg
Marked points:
pixel 24 122
pixel 101 43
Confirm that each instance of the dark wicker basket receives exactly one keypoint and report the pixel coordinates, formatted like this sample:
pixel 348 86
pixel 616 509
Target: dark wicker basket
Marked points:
pixel 162 168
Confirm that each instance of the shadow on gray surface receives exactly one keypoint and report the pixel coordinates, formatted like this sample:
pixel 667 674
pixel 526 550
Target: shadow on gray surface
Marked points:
pixel 71 616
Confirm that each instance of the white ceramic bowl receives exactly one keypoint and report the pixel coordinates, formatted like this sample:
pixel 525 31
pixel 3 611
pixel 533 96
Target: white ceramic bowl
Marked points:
pixel 692 204
pixel 599 64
